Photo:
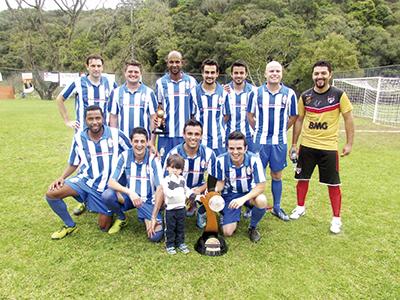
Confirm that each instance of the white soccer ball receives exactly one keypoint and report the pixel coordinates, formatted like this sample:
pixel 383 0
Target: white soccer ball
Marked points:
pixel 217 203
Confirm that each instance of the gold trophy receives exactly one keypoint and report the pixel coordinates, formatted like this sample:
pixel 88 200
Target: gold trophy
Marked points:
pixel 161 128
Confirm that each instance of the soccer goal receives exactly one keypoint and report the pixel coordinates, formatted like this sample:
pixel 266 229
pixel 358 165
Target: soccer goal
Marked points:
pixel 377 98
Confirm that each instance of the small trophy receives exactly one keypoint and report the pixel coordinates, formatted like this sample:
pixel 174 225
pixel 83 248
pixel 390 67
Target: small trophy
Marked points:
pixel 160 129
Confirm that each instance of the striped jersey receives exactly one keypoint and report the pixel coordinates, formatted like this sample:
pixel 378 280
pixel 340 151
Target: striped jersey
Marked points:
pixel 272 112
pixel 133 108
pixel 236 108
pixel 195 167
pixel 86 94
pixel 97 159
pixel 209 111
pixel 174 96
pixel 143 177
pixel 240 179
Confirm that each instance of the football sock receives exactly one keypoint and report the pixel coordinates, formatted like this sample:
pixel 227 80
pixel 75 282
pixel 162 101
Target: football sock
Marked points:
pixel 302 189
pixel 276 189
pixel 60 208
pixel 335 196
pixel 110 199
pixel 256 215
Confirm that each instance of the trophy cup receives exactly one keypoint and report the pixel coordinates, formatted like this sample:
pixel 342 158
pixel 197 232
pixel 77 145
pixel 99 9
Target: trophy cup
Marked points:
pixel 161 128
pixel 210 242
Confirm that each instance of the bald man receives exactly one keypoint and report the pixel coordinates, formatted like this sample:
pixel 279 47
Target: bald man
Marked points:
pixel 271 111
pixel 173 91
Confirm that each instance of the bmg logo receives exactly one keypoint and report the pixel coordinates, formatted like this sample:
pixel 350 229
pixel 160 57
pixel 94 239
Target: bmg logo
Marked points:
pixel 318 125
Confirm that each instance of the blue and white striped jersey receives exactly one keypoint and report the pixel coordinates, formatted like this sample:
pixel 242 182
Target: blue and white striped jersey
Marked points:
pixel 209 110
pixel 133 109
pixel 236 108
pixel 240 179
pixel 195 167
pixel 143 177
pixel 175 99
pixel 97 159
pixel 271 113
pixel 87 94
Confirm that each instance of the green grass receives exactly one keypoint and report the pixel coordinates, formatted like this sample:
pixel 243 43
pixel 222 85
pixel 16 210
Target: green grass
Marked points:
pixel 297 260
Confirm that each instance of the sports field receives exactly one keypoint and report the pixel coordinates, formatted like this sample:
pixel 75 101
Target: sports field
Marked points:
pixel 297 260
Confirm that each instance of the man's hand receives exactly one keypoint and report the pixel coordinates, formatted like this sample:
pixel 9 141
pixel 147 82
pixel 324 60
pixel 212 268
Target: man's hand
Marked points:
pixel 237 203
pixel 137 202
pixel 73 124
pixel 293 153
pixel 227 88
pixel 57 184
pixel 346 150
pixel 151 228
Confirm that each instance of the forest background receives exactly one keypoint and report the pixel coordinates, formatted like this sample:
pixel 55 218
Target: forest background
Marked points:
pixel 351 34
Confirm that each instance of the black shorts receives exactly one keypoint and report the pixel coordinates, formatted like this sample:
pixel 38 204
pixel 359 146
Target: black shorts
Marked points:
pixel 327 161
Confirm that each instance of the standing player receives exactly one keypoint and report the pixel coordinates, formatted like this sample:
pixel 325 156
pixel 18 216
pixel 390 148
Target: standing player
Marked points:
pixel 91 89
pixel 143 173
pixel 199 161
pixel 274 107
pixel 319 111
pixel 173 94
pixel 241 179
pixel 132 104
pixel 236 103
pixel 95 149
pixel 208 104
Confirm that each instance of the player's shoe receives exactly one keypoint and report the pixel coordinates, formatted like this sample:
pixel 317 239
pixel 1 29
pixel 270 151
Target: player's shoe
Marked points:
pixel 254 235
pixel 298 212
pixel 79 209
pixel 116 227
pixel 171 250
pixel 336 225
pixel 184 248
pixel 63 232
pixel 247 213
pixel 201 220
pixel 280 214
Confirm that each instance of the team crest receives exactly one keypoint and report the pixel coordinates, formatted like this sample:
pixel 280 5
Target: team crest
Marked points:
pixel 308 99
pixel 162 152
pixel 148 170
pixel 298 170
pixel 331 99
pixel 107 92
pixel 110 143
pixel 284 99
pixel 203 164
pixel 249 170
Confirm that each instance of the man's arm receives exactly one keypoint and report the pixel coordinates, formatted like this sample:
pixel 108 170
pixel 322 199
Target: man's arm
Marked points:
pixel 257 190
pixel 296 132
pixel 349 128
pixel 113 120
pixel 58 183
pixel 251 119
pixel 292 120
pixel 158 201
pixel 64 114
pixel 116 186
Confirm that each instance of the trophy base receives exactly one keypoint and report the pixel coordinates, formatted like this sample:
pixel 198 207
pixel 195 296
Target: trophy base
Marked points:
pixel 159 131
pixel 211 244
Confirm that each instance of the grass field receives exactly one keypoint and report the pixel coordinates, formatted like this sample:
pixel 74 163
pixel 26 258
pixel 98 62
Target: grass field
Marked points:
pixel 297 260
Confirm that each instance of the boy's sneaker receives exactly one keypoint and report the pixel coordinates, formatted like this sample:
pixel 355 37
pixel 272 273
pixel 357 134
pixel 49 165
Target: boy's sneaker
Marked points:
pixel 336 225
pixel 116 227
pixel 247 213
pixel 63 232
pixel 298 212
pixel 254 235
pixel 171 250
pixel 280 214
pixel 201 220
pixel 79 209
pixel 184 248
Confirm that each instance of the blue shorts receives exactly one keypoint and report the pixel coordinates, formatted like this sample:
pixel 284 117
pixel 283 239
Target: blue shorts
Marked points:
pixel 250 145
pixel 273 155
pixel 88 195
pixel 144 212
pixel 232 215
pixel 165 144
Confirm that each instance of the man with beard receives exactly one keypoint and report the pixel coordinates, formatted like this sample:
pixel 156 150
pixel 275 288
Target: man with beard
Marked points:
pixel 95 150
pixel 319 111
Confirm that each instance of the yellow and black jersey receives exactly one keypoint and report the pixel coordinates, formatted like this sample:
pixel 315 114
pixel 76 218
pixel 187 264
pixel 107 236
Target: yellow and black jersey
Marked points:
pixel 321 117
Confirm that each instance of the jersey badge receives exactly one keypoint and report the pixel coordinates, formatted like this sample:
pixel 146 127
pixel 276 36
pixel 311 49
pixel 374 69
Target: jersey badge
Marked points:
pixel 249 171
pixel 110 143
pixel 331 99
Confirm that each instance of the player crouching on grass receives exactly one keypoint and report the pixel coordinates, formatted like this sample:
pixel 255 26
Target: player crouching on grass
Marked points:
pixel 241 179
pixel 94 150
pixel 142 171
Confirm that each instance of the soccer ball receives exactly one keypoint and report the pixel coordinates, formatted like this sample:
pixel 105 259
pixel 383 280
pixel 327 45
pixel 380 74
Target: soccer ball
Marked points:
pixel 217 203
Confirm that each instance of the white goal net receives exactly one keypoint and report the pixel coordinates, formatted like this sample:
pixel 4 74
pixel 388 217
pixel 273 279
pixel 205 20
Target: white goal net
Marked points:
pixel 377 98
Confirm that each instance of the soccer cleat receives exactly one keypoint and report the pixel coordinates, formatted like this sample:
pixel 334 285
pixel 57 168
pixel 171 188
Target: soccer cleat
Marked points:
pixel 183 248
pixel 116 227
pixel 79 209
pixel 247 213
pixel 63 232
pixel 280 214
pixel 298 212
pixel 201 220
pixel 336 225
pixel 254 235
pixel 171 250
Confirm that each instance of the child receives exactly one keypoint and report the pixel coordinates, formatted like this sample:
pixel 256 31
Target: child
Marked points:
pixel 175 193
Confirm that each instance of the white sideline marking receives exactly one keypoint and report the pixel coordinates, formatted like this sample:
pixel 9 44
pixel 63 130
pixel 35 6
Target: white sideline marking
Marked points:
pixel 374 131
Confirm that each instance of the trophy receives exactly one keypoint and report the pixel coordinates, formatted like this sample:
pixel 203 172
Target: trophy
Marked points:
pixel 210 242
pixel 161 128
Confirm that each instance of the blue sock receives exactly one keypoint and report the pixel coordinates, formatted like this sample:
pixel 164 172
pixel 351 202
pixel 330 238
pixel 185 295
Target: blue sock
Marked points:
pixel 60 208
pixel 276 189
pixel 110 199
pixel 256 215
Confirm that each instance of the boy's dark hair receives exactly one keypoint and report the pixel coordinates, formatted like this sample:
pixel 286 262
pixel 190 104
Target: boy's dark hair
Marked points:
pixel 176 161
pixel 139 130
pixel 237 136
pixel 323 63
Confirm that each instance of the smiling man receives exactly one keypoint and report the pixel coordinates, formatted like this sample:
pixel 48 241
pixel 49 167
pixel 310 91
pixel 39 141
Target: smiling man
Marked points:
pixel 319 112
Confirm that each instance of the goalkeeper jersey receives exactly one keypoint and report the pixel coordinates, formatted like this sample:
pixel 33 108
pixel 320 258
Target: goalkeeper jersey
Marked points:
pixel 321 117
